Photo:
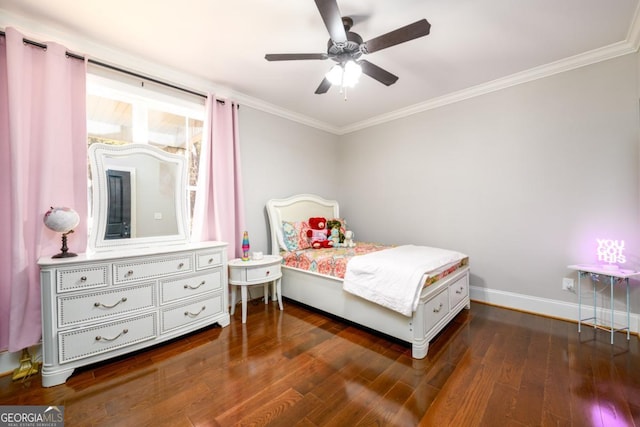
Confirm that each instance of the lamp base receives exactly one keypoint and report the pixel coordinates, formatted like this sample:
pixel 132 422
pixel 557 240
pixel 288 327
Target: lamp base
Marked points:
pixel 64 248
pixel 64 255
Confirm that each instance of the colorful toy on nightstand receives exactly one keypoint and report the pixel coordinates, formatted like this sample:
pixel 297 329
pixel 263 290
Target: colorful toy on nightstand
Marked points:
pixel 245 246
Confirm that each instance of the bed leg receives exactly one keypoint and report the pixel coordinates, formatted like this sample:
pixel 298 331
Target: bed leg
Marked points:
pixel 419 350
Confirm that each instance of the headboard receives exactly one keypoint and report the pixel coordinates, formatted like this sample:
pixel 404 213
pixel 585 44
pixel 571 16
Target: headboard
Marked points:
pixel 296 208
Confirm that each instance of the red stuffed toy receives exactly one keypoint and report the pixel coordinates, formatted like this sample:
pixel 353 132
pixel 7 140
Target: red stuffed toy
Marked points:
pixel 318 234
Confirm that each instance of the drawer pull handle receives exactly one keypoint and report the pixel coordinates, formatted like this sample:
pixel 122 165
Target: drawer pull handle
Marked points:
pixel 83 279
pixel 268 272
pixel 210 260
pixel 99 338
pixel 187 313
pixel 194 287
pixel 459 291
pixel 180 265
pixel 129 273
pixel 99 304
pixel 437 309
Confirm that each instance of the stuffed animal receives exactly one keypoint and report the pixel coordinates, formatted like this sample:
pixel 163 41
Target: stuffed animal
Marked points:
pixel 335 237
pixel 335 223
pixel 318 233
pixel 348 239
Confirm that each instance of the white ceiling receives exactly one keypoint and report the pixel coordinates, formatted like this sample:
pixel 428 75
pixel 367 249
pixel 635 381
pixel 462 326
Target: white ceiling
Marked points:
pixel 473 46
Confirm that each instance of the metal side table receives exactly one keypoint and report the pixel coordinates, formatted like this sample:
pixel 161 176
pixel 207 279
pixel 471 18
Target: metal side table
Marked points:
pixel 615 276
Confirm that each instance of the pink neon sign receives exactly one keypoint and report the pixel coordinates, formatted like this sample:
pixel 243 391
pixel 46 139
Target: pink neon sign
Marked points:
pixel 610 251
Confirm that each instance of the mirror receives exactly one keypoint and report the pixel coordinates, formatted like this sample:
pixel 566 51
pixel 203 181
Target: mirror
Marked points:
pixel 139 197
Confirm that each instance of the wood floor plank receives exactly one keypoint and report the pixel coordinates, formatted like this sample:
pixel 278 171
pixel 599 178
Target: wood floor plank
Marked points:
pixel 451 396
pixel 390 409
pixel 382 381
pixel 298 367
pixel 270 413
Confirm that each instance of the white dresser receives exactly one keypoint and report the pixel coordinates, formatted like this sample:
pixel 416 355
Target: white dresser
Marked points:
pixel 97 306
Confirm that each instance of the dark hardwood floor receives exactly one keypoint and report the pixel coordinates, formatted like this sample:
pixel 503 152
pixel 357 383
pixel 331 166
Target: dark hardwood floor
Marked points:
pixel 490 367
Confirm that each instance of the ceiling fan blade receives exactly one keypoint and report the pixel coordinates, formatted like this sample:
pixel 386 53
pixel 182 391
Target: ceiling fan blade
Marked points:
pixel 294 56
pixel 324 86
pixel 381 75
pixel 412 31
pixel 332 20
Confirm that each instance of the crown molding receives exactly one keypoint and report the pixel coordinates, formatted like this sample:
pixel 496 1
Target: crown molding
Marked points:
pixel 567 64
pixel 633 36
pixel 266 107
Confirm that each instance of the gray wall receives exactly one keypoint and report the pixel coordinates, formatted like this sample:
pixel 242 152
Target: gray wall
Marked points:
pixel 523 179
pixel 281 158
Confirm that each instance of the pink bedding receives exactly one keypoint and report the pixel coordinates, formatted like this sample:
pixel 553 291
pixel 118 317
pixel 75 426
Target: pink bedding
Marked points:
pixel 333 261
pixel 329 261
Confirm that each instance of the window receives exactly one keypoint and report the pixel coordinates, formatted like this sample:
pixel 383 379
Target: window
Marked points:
pixel 122 109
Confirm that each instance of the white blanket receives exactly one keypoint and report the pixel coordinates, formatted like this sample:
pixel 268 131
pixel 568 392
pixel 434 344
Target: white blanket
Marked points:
pixel 393 277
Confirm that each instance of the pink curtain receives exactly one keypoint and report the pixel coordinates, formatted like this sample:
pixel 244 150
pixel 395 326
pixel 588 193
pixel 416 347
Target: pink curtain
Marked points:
pixel 43 163
pixel 219 207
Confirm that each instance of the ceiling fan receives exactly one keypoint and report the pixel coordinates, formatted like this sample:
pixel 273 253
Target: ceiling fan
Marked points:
pixel 346 47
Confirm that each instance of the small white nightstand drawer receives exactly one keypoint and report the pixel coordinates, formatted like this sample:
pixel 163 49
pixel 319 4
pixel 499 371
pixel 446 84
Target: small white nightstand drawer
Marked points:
pixel 208 259
pixel 192 312
pixel 98 305
pixel 270 272
pixel 191 286
pixel 81 343
pixel 72 279
pixel 151 268
pixel 255 271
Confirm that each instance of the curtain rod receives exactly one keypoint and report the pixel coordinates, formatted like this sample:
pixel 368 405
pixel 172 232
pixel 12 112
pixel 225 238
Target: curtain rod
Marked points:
pixel 114 68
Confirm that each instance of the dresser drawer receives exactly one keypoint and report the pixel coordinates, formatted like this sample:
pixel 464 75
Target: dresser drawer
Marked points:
pixel 208 259
pixel 98 305
pixel 458 290
pixel 192 312
pixel 81 343
pixel 436 309
pixel 88 277
pixel 186 287
pixel 150 268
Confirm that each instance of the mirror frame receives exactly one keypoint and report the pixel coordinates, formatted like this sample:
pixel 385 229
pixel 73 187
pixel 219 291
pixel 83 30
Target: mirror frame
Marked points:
pixel 98 153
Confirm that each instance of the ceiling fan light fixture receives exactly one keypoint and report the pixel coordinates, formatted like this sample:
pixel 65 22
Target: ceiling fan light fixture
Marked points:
pixel 334 75
pixel 344 76
pixel 352 73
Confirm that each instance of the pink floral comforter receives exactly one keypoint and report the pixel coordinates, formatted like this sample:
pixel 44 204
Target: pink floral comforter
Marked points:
pixel 330 261
pixel 333 261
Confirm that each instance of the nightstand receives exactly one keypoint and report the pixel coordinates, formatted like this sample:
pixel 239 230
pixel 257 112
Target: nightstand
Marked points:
pixel 263 271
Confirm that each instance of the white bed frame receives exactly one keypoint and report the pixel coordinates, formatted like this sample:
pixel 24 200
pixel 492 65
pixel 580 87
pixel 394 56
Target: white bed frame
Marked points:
pixel 439 302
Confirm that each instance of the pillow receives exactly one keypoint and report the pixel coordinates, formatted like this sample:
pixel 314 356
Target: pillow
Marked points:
pixel 294 234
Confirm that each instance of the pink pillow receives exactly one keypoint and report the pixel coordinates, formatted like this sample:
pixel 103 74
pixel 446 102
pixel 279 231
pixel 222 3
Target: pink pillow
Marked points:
pixel 295 235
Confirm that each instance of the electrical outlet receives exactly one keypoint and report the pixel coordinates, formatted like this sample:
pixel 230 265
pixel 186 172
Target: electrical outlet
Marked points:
pixel 567 284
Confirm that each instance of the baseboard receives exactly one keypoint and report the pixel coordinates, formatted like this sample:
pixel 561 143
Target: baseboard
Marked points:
pixel 552 308
pixel 10 361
